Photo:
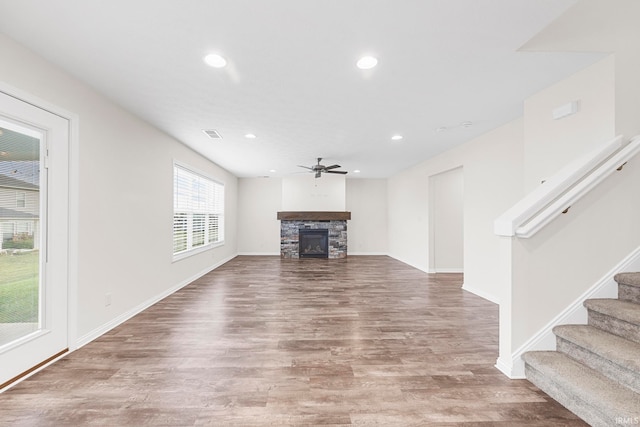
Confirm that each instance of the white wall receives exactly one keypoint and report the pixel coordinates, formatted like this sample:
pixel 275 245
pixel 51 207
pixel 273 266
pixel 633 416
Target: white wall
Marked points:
pixel 627 59
pixel 367 230
pixel 408 216
pixel 493 182
pixel 551 144
pixel 571 254
pixel 550 271
pixel 599 26
pixel 307 193
pixel 492 172
pixel 124 197
pixel 446 209
pixel 259 200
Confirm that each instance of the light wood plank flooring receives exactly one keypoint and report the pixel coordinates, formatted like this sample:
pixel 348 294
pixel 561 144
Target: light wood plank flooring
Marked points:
pixel 262 341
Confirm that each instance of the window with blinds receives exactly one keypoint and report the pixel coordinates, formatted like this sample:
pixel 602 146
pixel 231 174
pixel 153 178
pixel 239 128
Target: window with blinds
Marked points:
pixel 198 211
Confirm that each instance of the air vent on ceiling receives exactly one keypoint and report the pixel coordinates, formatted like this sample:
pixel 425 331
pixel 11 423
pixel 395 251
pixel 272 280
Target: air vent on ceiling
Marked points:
pixel 212 133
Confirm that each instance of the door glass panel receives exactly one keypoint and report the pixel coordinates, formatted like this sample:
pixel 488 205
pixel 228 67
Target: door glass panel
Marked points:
pixel 20 226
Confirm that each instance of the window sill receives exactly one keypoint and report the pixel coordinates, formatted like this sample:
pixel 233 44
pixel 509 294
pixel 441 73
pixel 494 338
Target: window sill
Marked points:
pixel 195 251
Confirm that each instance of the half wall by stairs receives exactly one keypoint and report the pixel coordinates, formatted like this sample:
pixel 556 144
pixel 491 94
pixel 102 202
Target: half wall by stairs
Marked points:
pixel 595 372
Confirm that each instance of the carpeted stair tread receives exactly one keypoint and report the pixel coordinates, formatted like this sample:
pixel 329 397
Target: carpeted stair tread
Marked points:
pixel 623 310
pixel 630 279
pixel 590 395
pixel 616 357
pixel 628 287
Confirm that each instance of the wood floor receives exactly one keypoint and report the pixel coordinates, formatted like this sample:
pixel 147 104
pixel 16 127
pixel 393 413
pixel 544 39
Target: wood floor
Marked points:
pixel 262 341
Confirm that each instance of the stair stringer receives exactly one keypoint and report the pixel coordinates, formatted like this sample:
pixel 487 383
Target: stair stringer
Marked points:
pixel 575 313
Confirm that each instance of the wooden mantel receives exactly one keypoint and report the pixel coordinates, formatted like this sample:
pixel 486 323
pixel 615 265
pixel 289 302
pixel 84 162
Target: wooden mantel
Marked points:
pixel 314 215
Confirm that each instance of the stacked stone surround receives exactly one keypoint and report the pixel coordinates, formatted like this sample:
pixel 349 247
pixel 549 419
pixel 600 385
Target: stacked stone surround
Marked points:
pixel 289 245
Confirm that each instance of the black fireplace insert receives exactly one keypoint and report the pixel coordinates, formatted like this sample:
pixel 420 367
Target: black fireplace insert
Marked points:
pixel 314 243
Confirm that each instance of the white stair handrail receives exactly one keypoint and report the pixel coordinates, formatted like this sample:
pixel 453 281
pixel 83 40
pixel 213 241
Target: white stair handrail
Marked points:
pixel 540 206
pixel 563 203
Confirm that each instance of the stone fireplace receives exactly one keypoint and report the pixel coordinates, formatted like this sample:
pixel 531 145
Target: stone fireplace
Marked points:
pixel 313 234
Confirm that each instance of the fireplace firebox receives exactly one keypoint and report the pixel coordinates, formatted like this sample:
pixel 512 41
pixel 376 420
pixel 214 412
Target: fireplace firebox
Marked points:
pixel 314 243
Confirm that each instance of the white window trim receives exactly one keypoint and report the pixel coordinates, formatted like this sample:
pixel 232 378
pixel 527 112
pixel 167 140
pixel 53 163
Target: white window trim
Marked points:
pixel 207 246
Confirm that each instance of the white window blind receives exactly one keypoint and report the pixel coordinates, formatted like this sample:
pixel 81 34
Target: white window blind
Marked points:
pixel 198 211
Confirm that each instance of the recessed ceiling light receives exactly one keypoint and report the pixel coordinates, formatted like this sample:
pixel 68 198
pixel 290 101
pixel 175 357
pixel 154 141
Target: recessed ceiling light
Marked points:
pixel 250 136
pixel 396 137
pixel 356 171
pixel 466 124
pixel 366 62
pixel 214 60
pixel 273 171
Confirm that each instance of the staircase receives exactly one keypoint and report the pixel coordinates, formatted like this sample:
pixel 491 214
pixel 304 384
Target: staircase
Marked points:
pixel 595 372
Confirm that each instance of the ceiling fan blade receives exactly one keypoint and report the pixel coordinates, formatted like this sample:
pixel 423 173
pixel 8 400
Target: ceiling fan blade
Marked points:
pixel 306 167
pixel 340 172
pixel 332 167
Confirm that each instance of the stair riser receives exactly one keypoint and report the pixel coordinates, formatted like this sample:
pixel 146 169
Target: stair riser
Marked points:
pixel 629 293
pixel 624 376
pixel 586 412
pixel 614 326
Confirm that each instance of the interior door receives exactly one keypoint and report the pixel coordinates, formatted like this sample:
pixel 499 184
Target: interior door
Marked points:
pixel 33 237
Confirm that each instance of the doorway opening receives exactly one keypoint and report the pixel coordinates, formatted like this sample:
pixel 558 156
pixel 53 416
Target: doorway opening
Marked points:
pixel 446 222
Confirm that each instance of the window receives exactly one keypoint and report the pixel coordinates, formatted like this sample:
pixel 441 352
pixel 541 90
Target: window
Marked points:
pixel 198 211
pixel 21 199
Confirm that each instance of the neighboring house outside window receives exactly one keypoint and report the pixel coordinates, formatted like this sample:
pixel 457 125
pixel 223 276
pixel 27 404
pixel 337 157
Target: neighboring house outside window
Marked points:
pixel 198 212
pixel 19 214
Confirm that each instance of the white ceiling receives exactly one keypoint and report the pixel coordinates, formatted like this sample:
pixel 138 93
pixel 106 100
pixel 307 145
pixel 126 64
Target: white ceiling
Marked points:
pixel 291 78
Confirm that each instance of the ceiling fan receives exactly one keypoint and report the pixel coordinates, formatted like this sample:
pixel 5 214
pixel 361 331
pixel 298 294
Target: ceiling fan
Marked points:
pixel 318 169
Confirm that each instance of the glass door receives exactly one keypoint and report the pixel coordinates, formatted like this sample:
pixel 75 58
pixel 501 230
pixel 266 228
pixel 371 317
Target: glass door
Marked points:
pixel 33 237
pixel 20 232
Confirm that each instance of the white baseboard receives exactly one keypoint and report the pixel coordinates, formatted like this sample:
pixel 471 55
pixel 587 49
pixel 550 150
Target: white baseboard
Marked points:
pixel 448 270
pixel 575 313
pixel 278 253
pixel 258 253
pixel 432 270
pixel 506 368
pixel 480 293
pixel 421 268
pixel 367 253
pixel 87 338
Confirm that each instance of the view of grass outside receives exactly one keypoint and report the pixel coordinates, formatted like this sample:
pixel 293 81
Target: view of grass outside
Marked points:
pixel 19 287
pixel 19 241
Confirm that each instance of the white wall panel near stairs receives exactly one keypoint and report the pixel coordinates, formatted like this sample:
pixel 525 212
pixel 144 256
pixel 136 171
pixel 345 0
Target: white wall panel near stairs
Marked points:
pixel 595 368
pixel 595 371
